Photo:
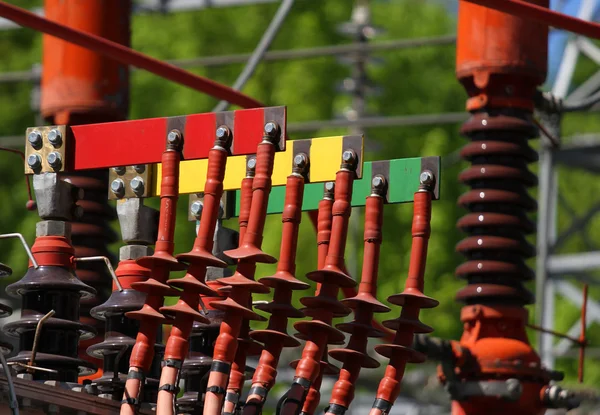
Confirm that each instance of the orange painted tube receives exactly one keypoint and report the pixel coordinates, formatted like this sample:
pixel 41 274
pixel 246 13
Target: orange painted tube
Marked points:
pixel 161 263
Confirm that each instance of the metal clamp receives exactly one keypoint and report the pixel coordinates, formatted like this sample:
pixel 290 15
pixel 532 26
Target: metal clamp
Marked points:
pixel 130 182
pixel 46 149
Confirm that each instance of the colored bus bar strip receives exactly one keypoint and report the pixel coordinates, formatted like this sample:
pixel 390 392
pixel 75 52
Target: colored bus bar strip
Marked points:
pixel 402 175
pixel 321 152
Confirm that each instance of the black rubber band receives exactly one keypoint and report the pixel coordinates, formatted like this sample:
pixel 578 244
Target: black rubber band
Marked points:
pixel 172 363
pixel 232 397
pixel 131 401
pixel 382 405
pixel 336 409
pixel 258 390
pixel 134 374
pixel 221 367
pixel 217 390
pixel 169 388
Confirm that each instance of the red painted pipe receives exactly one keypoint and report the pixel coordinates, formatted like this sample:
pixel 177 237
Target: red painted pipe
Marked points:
pixel 529 10
pixel 185 312
pixel 412 300
pixel 126 56
pixel 275 336
pixel 354 356
pixel 242 282
pixel 161 264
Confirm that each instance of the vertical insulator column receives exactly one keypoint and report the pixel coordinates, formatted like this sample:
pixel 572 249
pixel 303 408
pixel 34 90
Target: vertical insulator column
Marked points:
pixel 412 301
pixel 5 311
pixel 238 305
pixel 325 306
pixel 354 356
pixel 80 86
pixel 284 282
pixel 500 67
pixel 51 286
pixel 161 263
pixel 185 311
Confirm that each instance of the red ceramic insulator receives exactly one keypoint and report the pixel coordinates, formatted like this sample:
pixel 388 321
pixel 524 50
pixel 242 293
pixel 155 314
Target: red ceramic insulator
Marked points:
pixel 161 263
pixel 323 307
pixel 354 356
pixel 238 305
pixel 412 301
pixel 275 336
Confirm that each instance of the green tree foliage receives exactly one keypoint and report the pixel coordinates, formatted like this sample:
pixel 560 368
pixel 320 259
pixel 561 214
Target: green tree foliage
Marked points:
pixel 413 81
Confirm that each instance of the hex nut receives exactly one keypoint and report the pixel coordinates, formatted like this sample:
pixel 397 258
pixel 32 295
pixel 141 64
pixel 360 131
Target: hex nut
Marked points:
pixel 120 170
pixel 134 252
pixel 55 138
pixel 34 161
pixel 196 208
pixel 35 139
pixel 55 160
pixel 137 185
pixel 53 228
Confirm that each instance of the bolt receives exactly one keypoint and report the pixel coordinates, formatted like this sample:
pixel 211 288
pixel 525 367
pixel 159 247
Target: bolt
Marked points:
pixel 34 161
pixel 35 139
pixel 196 208
pixel 55 138
pixel 174 138
pixel 137 185
pixel 251 164
pixel 55 160
pixel 348 156
pixel 329 186
pixel 118 187
pixel 300 160
pixel 378 182
pixel 426 177
pixel 139 168
pixel 223 132
pixel 120 170
pixel 271 129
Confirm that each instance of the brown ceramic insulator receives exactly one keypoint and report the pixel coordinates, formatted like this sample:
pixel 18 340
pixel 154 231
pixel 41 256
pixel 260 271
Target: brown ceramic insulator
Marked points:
pixel 51 286
pixel 275 336
pixel 412 300
pixel 120 334
pixel 496 248
pixel 238 305
pixel 354 356
pixel 161 263
pixel 322 308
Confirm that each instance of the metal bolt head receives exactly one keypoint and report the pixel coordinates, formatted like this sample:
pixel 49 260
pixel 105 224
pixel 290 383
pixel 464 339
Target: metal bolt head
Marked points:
pixel 196 208
pixel 251 164
pixel 271 128
pixel 222 132
pixel 118 187
pixel 120 170
pixel 300 160
pixel 137 185
pixel 55 160
pixel 330 186
pixel 55 138
pixel 348 156
pixel 378 182
pixel 426 177
pixel 35 139
pixel 34 161
pixel 139 168
pixel 174 137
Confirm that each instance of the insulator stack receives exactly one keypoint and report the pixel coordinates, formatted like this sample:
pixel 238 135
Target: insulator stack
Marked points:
pixel 283 282
pixel 238 305
pixel 51 286
pixel 120 331
pixel 185 311
pixel 5 311
pixel 323 307
pixel 354 356
pixel 161 263
pixel 79 86
pixel 412 300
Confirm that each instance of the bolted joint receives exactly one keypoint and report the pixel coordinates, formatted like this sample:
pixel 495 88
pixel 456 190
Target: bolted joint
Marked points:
pixel 137 185
pixel 272 132
pixel 223 137
pixel 55 160
pixel 251 167
pixel 174 139
pixel 329 190
pixel 120 170
pixel 34 161
pixel 118 187
pixel 134 252
pixel 378 185
pixel 196 208
pixel 53 228
pixel 55 138
pixel 300 163
pixel 35 139
pixel 349 160
pixel 427 180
